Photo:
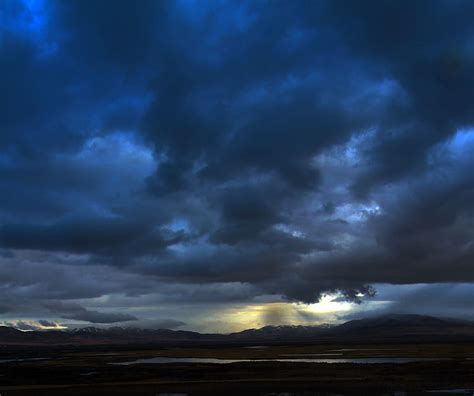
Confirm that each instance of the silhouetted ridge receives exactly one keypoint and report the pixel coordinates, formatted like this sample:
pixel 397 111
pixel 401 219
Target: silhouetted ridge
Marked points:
pixel 387 328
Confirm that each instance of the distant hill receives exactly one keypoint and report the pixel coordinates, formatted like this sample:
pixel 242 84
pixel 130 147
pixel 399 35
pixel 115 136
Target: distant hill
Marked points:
pixel 404 328
pixel 281 333
pixel 388 328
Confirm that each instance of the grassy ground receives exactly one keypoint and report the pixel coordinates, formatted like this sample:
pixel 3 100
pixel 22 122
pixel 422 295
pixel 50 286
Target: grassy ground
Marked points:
pixel 77 371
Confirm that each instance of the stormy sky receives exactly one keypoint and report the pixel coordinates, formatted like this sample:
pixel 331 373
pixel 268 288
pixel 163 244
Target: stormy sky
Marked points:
pixel 218 165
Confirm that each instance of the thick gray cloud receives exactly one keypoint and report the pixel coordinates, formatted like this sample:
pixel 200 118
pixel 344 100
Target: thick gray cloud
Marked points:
pixel 47 323
pixel 76 312
pixel 255 151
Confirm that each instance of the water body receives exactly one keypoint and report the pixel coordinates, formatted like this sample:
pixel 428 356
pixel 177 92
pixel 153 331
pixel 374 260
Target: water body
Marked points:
pixel 168 360
pixel 362 349
pixel 310 354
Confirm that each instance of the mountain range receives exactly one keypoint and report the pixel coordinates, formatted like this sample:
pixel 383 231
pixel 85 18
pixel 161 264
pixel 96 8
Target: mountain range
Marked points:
pixel 388 328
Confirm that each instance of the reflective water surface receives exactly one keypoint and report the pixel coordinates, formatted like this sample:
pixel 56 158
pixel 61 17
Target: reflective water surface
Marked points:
pixel 167 360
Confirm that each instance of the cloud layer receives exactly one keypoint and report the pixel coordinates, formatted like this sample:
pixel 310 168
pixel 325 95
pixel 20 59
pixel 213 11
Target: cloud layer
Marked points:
pixel 156 155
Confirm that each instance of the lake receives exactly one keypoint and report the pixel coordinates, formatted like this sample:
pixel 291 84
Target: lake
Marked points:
pixel 373 360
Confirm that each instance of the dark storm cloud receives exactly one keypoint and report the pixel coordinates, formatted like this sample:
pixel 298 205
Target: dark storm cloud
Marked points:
pixel 425 234
pixel 110 236
pixel 245 214
pixel 99 317
pixel 76 312
pixel 433 67
pixel 47 323
pixel 109 33
pixel 285 148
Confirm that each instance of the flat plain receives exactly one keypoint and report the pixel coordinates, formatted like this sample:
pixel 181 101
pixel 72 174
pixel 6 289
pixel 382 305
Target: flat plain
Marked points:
pixel 86 370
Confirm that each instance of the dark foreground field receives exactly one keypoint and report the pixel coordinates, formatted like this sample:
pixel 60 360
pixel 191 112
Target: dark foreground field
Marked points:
pixel 83 371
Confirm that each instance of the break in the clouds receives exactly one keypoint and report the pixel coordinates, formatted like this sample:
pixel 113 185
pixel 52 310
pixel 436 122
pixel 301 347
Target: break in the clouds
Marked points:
pixel 180 162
